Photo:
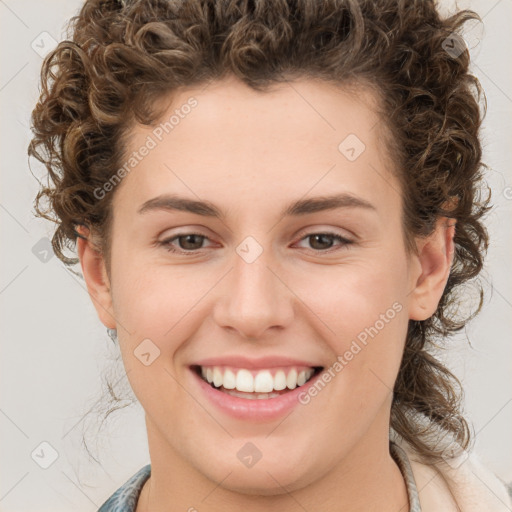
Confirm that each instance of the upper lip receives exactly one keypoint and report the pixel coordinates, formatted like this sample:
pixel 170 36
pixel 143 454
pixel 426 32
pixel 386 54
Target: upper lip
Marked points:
pixel 254 363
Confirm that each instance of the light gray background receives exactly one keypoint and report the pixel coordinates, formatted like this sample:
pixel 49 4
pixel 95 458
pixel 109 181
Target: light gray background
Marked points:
pixel 54 347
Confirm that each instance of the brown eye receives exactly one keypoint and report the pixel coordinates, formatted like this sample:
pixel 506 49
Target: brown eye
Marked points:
pixel 320 241
pixel 186 243
pixel 190 242
pixel 325 241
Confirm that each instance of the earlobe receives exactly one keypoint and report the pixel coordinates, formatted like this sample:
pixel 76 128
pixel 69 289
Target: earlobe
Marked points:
pixel 435 257
pixel 96 278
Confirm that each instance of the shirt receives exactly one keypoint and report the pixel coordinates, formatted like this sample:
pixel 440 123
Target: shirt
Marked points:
pixel 126 497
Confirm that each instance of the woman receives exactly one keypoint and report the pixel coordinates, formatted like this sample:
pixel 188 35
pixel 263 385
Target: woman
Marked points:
pixel 324 157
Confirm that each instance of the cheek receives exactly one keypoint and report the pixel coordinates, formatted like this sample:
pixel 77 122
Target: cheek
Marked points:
pixel 362 313
pixel 158 315
pixel 350 298
pixel 160 308
pixel 150 299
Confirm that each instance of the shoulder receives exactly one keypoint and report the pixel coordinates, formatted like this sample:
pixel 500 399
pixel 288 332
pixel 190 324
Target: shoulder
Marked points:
pixel 459 483
pixel 126 497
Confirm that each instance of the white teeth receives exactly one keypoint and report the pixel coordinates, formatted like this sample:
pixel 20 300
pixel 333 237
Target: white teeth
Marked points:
pixel 254 396
pixel 279 380
pixel 229 380
pixel 291 380
pixel 262 382
pixel 244 381
pixel 217 377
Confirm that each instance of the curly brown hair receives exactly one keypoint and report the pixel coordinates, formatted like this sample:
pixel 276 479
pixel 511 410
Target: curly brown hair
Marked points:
pixel 122 57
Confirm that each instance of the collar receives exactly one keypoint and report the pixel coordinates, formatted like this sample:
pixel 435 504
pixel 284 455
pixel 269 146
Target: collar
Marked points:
pixel 456 484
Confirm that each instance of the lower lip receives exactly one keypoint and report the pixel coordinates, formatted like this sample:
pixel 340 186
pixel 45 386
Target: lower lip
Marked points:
pixel 264 409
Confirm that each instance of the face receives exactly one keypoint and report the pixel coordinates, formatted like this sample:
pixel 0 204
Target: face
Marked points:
pixel 258 244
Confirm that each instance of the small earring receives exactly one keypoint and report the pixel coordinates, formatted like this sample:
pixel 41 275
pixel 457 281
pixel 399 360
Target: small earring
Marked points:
pixel 112 333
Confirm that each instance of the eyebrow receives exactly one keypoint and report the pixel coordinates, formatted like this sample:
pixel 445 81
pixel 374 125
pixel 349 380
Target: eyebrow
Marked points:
pixel 300 207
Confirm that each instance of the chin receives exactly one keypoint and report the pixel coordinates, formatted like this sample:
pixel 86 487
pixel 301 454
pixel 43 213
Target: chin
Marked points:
pixel 260 483
pixel 265 478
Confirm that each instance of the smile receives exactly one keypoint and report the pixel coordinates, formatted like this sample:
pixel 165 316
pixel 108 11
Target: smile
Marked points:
pixel 254 384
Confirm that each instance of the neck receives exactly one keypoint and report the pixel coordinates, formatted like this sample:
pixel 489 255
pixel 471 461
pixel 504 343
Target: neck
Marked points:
pixel 366 479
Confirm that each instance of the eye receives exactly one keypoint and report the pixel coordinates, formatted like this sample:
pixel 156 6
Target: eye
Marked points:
pixel 192 243
pixel 325 241
pixel 187 243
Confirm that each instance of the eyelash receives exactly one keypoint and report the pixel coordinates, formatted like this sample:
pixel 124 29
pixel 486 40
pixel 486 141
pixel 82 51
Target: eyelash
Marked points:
pixel 167 243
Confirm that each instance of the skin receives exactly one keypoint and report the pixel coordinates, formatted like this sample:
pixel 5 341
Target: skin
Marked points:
pixel 251 154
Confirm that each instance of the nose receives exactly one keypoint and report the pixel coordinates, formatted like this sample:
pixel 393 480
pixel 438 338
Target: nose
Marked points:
pixel 254 299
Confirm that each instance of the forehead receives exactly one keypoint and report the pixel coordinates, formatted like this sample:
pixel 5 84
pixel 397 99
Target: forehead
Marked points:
pixel 295 137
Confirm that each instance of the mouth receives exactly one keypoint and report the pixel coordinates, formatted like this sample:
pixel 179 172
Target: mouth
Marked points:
pixel 256 384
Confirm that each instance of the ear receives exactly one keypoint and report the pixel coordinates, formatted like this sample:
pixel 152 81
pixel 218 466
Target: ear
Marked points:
pixel 435 257
pixel 95 275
